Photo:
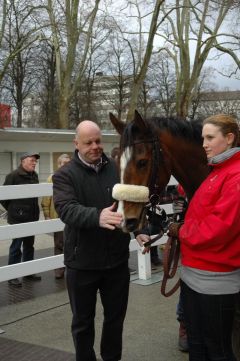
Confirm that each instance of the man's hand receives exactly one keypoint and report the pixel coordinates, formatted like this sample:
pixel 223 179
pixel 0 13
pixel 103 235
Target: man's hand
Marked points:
pixel 141 239
pixel 110 219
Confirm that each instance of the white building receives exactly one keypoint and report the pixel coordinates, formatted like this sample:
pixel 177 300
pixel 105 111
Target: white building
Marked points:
pixel 227 102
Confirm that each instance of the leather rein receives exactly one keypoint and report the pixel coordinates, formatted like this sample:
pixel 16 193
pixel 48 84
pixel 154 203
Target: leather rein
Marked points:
pixel 171 256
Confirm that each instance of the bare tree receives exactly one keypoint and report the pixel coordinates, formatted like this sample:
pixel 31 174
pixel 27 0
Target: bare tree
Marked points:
pixel 198 23
pixel 72 25
pixel 3 13
pixel 147 104
pixel 47 89
pixel 83 105
pixel 204 85
pixel 29 36
pixel 19 75
pixel 142 58
pixel 119 68
pixel 188 30
pixel 163 80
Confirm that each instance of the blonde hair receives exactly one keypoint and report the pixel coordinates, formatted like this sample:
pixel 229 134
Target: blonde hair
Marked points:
pixel 61 157
pixel 227 124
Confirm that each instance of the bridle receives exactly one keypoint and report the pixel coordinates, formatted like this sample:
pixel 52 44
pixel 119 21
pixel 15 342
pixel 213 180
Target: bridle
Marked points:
pixel 157 159
pixel 172 248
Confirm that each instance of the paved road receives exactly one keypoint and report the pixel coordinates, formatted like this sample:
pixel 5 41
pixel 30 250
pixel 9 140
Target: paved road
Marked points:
pixel 36 320
pixel 150 332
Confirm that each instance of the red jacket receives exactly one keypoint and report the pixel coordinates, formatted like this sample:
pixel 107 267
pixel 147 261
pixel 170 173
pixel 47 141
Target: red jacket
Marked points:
pixel 210 235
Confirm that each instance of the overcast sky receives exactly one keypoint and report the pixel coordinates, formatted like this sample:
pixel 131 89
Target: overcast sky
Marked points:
pixel 224 65
pixel 222 82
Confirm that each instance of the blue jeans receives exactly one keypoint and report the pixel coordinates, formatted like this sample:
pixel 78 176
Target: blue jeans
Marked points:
pixel 27 253
pixel 209 323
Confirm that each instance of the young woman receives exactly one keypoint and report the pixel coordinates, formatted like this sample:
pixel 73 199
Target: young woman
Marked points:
pixel 210 246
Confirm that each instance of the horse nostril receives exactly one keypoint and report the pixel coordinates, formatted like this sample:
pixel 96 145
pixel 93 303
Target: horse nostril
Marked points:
pixel 131 224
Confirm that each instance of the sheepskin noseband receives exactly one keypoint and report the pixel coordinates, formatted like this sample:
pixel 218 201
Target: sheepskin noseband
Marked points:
pixel 130 193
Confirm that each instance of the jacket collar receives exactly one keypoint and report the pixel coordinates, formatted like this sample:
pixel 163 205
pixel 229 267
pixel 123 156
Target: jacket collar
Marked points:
pixel 96 168
pixel 220 158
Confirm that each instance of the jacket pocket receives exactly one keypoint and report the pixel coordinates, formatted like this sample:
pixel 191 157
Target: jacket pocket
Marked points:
pixel 21 213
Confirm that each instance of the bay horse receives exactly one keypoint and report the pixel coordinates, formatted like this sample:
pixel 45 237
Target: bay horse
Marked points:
pixel 150 152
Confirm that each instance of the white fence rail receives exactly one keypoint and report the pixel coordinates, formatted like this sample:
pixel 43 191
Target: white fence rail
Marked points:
pixel 7 232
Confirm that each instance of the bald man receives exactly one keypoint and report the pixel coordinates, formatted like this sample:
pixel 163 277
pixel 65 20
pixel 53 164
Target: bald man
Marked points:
pixel 96 251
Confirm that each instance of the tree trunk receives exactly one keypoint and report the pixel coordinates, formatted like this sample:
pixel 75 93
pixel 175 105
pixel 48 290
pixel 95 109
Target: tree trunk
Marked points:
pixel 133 102
pixel 63 121
pixel 184 103
pixel 141 73
pixel 19 116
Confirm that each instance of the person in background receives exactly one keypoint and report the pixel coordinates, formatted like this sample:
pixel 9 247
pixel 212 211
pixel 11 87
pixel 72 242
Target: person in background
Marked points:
pixel 96 251
pixel 154 220
pixel 50 213
pixel 210 246
pixel 21 211
pixel 115 154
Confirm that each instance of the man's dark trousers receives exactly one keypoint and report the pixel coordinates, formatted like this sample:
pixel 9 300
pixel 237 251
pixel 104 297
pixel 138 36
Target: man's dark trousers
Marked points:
pixel 113 286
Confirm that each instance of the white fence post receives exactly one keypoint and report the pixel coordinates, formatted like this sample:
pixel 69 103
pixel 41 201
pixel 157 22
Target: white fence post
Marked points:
pixel 144 265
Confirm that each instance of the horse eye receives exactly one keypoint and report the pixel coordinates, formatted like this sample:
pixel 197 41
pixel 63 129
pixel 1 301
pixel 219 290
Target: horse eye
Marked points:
pixel 142 163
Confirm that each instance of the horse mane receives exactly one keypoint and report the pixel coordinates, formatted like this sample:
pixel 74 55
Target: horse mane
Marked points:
pixel 190 130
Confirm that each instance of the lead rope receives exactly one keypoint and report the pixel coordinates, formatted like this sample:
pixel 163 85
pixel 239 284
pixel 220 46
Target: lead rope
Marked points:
pixel 171 257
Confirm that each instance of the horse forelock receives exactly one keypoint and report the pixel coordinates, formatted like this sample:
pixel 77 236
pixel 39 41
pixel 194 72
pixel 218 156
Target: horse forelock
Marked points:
pixel 132 133
pixel 126 137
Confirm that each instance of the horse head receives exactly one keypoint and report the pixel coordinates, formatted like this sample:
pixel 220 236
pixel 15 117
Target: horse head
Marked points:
pixel 140 162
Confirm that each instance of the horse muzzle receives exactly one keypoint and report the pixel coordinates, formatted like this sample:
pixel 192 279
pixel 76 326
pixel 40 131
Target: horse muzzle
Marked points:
pixel 134 196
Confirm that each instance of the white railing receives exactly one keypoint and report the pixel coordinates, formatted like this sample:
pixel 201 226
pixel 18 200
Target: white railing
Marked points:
pixel 49 226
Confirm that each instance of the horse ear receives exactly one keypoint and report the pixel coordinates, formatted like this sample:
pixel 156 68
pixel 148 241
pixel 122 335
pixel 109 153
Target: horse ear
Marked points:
pixel 118 124
pixel 140 121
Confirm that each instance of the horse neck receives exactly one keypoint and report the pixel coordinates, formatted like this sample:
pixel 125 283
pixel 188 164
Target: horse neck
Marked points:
pixel 191 179
pixel 188 165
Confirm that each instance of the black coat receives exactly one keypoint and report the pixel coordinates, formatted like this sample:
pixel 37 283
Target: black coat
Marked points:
pixel 26 209
pixel 80 193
